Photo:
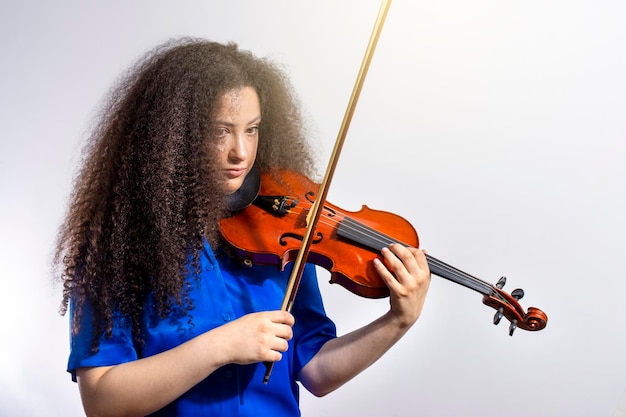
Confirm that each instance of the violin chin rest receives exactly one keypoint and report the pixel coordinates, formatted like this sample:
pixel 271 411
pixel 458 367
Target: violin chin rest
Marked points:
pixel 246 194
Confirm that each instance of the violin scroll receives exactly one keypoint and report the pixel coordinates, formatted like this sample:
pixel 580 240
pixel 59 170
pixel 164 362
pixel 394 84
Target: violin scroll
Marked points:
pixel 506 305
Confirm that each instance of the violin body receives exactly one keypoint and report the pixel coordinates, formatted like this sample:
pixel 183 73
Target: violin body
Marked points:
pixel 264 236
pixel 269 231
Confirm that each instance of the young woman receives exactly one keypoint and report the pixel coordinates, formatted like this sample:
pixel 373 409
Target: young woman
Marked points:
pixel 164 320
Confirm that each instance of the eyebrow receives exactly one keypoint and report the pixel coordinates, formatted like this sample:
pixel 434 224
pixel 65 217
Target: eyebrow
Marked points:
pixel 230 124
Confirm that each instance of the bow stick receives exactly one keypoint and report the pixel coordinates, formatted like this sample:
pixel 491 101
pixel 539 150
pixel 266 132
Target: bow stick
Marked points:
pixel 316 209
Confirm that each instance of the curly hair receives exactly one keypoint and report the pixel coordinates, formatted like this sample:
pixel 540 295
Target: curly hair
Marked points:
pixel 145 196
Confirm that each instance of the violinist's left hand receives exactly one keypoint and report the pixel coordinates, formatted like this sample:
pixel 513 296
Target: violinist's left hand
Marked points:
pixel 406 273
pixel 407 278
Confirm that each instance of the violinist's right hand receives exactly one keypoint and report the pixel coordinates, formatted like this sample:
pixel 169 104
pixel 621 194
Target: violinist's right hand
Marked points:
pixel 257 337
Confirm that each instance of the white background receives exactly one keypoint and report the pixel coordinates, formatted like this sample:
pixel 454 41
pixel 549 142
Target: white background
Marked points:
pixel 496 127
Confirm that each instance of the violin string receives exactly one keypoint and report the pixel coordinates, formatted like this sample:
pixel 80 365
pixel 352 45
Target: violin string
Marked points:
pixel 438 267
pixel 374 239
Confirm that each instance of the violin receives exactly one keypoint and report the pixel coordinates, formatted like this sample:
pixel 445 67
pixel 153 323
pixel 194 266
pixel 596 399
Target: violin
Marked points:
pixel 291 221
pixel 268 230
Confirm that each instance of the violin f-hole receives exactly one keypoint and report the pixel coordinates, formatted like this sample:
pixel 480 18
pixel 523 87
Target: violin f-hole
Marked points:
pixel 283 238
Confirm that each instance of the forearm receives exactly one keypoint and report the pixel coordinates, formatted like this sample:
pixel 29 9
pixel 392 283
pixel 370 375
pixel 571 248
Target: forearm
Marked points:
pixel 341 359
pixel 143 386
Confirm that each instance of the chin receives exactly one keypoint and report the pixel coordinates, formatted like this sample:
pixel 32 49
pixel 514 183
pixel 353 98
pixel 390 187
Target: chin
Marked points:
pixel 231 187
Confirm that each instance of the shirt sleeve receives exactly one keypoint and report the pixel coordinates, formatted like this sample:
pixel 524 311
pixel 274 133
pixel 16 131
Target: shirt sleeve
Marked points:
pixel 313 328
pixel 119 348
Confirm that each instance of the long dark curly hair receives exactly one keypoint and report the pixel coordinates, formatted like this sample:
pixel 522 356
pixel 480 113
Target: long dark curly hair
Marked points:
pixel 145 196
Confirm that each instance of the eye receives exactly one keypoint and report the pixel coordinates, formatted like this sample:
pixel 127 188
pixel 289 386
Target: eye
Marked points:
pixel 253 130
pixel 220 132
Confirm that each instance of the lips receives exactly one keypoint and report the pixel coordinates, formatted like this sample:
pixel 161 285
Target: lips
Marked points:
pixel 235 172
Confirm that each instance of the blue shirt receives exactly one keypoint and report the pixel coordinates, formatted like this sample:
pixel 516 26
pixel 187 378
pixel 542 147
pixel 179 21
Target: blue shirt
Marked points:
pixel 224 292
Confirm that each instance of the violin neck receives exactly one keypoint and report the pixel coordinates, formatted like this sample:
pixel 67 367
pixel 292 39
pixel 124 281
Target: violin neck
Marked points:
pixel 455 275
pixel 372 239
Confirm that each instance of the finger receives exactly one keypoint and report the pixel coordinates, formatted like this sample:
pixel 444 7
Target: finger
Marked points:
pixel 413 259
pixel 385 274
pixel 280 345
pixel 283 332
pixel 401 262
pixel 282 317
pixel 406 255
pixel 422 260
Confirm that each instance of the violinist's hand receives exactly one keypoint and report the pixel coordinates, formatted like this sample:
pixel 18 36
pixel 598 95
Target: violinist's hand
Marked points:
pixel 406 273
pixel 408 279
pixel 257 337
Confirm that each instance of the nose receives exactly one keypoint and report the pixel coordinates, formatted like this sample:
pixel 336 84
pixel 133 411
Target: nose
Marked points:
pixel 238 150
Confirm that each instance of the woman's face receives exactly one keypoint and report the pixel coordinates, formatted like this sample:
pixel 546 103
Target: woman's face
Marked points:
pixel 236 134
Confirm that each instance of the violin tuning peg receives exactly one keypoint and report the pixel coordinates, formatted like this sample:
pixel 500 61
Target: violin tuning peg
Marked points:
pixel 498 316
pixel 512 327
pixel 501 282
pixel 518 294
